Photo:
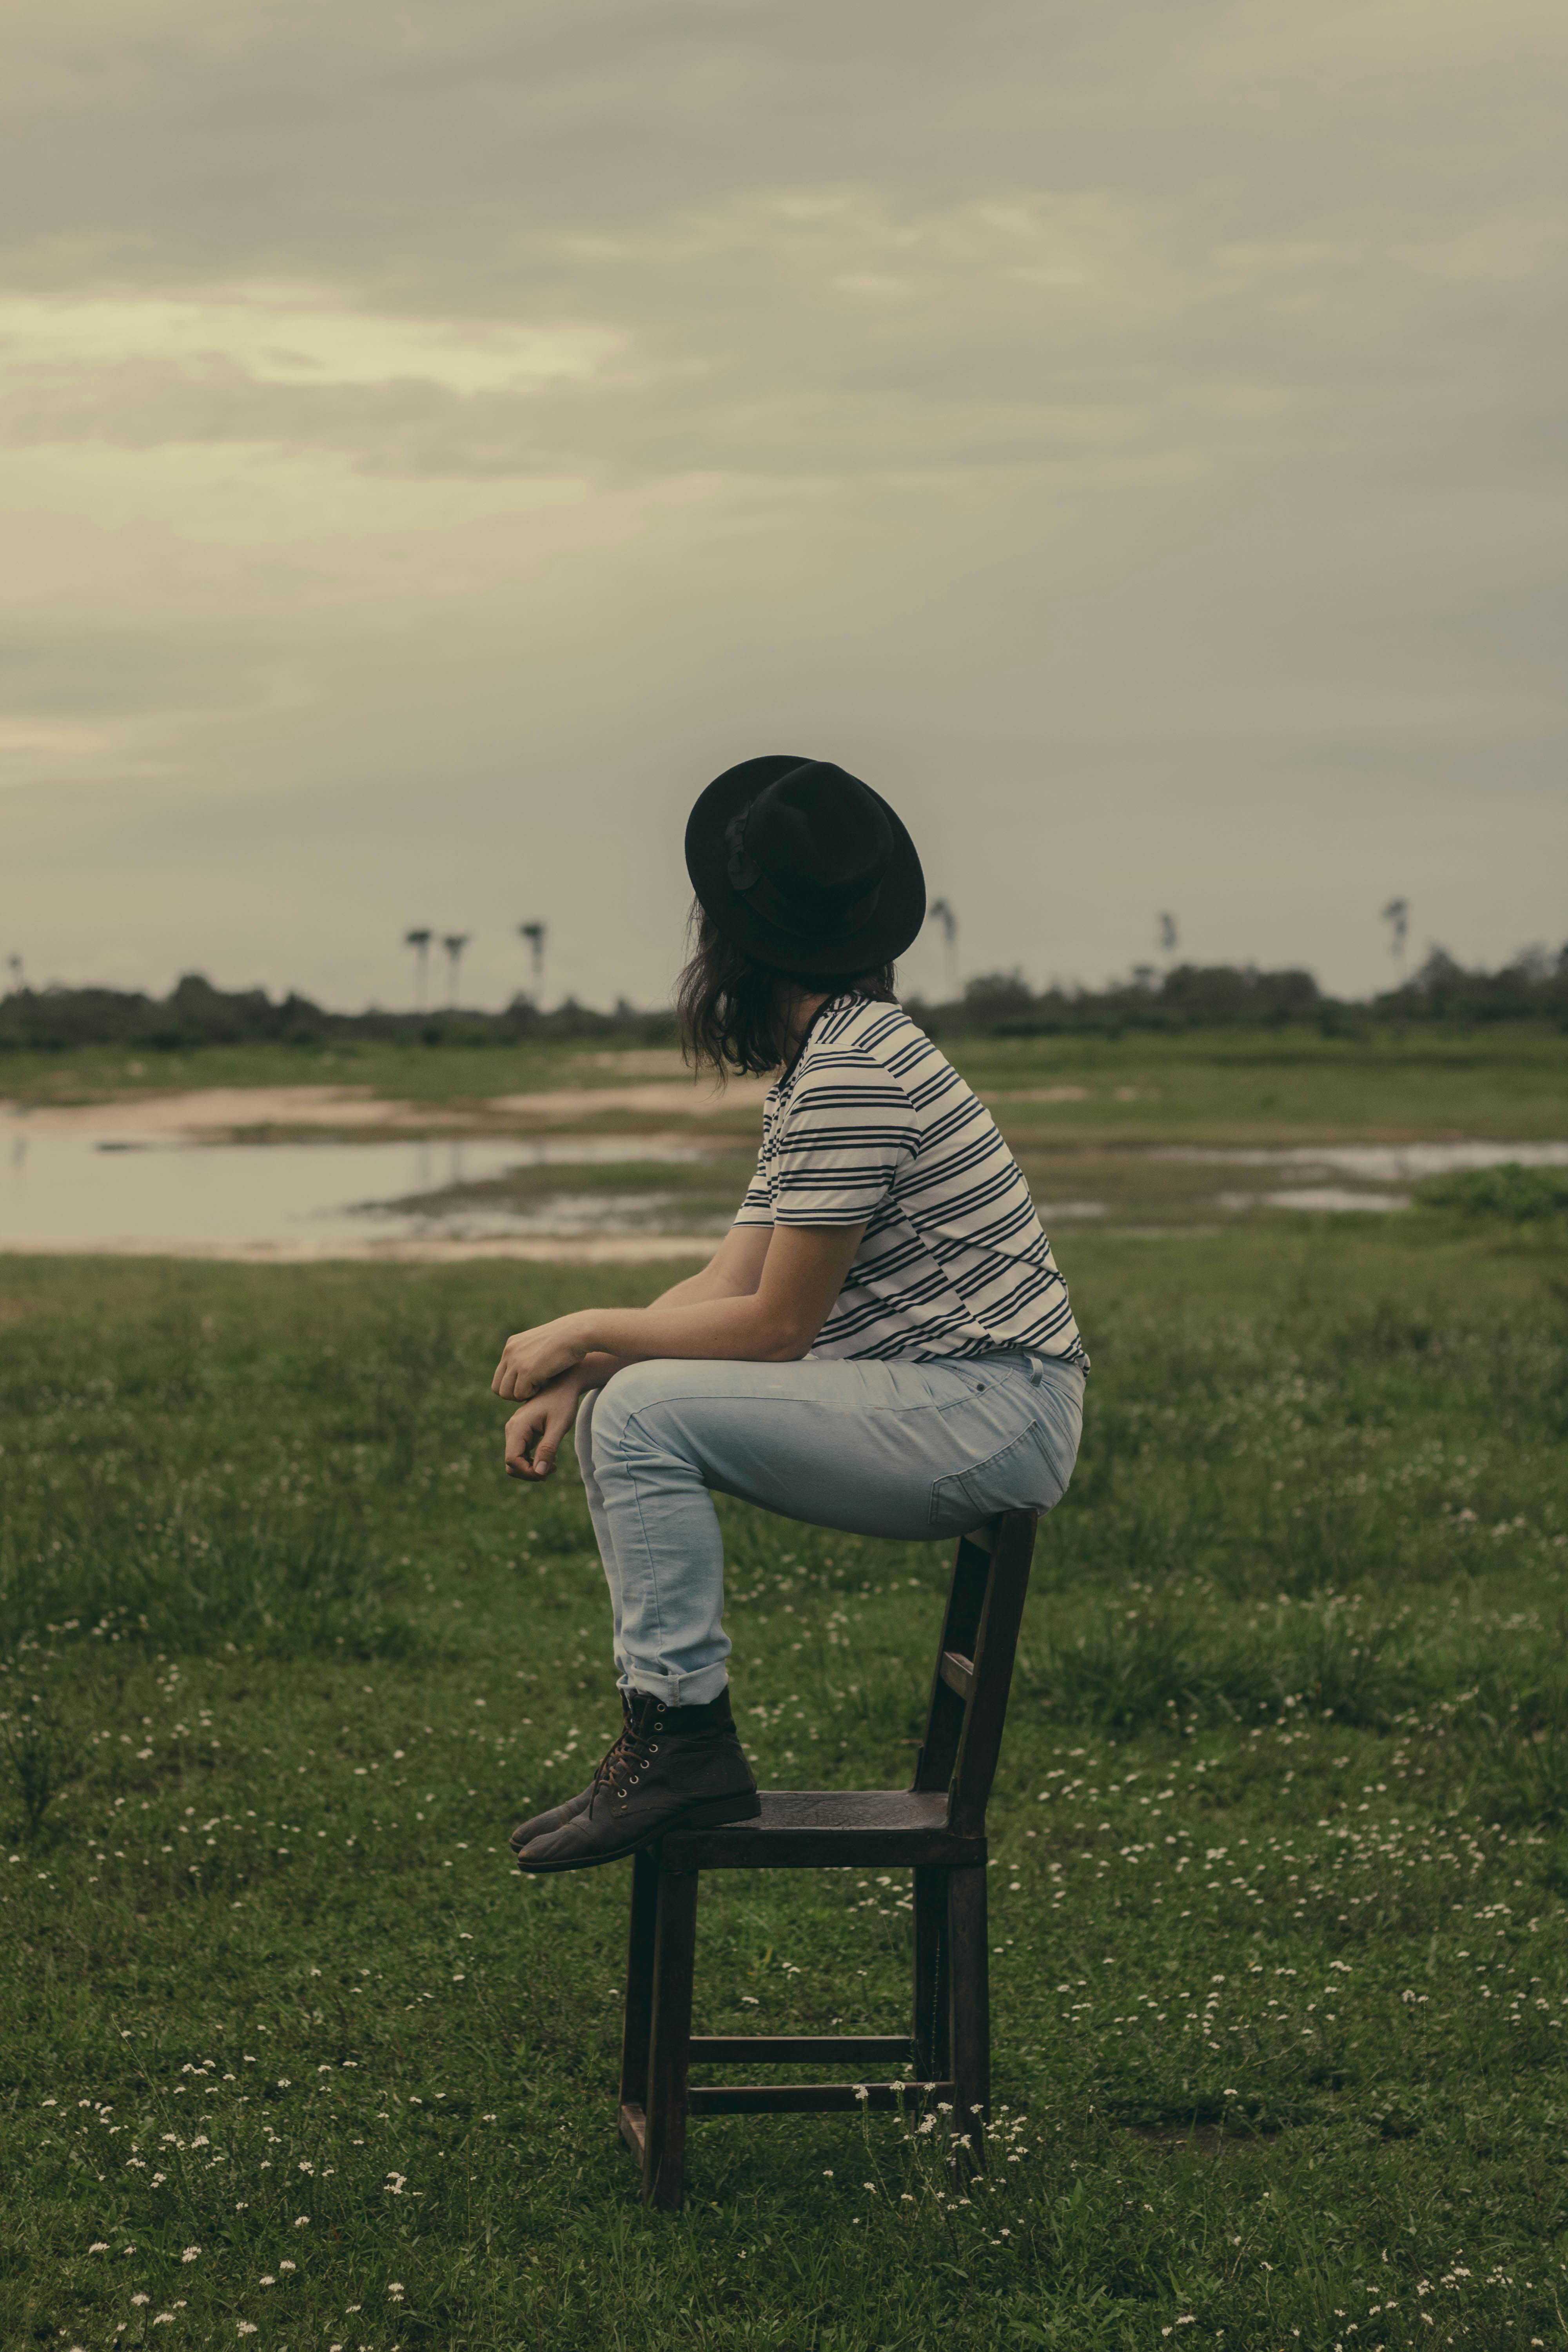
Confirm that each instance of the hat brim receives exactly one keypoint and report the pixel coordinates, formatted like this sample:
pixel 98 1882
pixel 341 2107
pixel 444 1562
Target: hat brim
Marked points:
pixel 893 924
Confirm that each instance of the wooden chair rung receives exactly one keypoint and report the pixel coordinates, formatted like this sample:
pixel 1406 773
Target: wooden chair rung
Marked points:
pixel 958 1672
pixel 801 2048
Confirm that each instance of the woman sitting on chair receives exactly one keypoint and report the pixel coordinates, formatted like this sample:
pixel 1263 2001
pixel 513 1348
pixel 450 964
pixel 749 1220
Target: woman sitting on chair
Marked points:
pixel 882 1344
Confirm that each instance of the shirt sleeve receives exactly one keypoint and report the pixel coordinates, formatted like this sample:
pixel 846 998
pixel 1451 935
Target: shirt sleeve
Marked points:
pixel 757 1208
pixel 847 1131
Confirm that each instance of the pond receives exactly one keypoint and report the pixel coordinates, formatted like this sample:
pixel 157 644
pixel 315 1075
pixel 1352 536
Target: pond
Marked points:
pixel 85 1190
pixel 131 1177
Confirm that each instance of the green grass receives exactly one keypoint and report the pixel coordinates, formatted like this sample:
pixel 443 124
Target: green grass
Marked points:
pixel 1281 1833
pixel 1510 1194
pixel 1214 1085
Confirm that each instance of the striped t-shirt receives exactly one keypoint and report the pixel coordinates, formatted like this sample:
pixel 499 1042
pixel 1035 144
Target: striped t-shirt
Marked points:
pixel 871 1124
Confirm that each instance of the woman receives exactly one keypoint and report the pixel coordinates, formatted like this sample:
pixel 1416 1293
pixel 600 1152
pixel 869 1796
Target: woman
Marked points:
pixel 882 1344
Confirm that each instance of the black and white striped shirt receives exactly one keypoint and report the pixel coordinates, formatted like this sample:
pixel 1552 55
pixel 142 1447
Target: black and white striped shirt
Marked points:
pixel 870 1123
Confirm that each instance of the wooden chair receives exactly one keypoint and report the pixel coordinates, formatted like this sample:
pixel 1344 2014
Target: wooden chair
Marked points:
pixel 937 1827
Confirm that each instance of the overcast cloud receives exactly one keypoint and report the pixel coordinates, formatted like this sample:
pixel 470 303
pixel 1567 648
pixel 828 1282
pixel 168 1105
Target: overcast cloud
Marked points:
pixel 436 439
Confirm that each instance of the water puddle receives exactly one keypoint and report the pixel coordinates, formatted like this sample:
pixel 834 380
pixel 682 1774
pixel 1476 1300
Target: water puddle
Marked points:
pixel 1325 1200
pixel 1375 1163
pixel 82 1191
pixel 143 1176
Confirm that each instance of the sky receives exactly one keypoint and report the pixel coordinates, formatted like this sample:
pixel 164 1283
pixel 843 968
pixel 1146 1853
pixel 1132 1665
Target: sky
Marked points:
pixel 437 437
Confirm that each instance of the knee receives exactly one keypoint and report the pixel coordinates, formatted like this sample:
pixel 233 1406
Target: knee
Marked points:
pixel 633 1393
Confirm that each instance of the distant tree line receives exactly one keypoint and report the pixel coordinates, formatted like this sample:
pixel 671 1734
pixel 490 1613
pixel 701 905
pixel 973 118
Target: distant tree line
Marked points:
pixel 1533 987
pixel 194 1013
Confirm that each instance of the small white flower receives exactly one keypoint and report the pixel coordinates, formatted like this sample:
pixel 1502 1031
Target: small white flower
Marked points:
pixel 301 2220
pixel 247 2326
pixel 267 2280
pixel 98 2246
pixel 190 2255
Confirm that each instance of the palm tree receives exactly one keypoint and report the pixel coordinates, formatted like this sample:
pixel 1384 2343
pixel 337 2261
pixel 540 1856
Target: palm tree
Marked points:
pixel 1169 935
pixel 454 942
pixel 1396 915
pixel 941 912
pixel 534 934
pixel 15 964
pixel 420 942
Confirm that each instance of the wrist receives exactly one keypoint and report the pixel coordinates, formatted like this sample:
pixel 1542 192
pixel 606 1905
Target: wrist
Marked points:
pixel 577 1330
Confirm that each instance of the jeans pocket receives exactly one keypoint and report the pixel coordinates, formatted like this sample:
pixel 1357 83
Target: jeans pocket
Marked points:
pixel 1022 1477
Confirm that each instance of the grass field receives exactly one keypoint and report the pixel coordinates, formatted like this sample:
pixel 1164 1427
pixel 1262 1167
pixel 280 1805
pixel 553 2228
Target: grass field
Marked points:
pixel 291 2058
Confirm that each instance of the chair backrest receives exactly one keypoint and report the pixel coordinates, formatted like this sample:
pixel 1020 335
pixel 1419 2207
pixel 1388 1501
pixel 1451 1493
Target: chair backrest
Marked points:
pixel 974 1668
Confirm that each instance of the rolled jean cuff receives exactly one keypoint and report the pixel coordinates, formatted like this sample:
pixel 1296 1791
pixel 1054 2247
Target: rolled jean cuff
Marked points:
pixel 681 1690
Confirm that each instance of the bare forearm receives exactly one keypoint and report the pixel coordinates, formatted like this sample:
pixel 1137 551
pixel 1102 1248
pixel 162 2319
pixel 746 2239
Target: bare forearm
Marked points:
pixel 763 1301
pixel 696 1285
pixel 697 1289
pixel 744 1328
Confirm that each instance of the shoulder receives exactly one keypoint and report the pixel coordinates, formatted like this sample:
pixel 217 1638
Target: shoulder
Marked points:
pixel 857 1046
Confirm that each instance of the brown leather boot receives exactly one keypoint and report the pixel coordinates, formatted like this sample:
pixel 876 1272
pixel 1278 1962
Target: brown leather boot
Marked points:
pixel 673 1768
pixel 559 1816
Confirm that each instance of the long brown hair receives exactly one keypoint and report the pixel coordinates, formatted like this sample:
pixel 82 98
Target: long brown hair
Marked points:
pixel 735 1012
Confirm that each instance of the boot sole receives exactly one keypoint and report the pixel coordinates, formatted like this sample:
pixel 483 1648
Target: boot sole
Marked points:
pixel 717 1813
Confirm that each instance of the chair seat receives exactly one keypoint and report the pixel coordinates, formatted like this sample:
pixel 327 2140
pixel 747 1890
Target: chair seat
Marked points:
pixel 802 1829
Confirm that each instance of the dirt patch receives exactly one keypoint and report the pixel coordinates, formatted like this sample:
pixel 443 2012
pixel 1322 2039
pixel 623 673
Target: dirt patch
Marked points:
pixel 606 1249
pixel 245 1110
pixel 681 1096
pixel 225 1111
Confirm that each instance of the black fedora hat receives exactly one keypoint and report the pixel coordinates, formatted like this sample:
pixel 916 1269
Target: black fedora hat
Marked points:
pixel 805 868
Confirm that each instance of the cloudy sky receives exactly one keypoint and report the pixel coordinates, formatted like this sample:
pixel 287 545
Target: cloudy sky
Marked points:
pixel 437 437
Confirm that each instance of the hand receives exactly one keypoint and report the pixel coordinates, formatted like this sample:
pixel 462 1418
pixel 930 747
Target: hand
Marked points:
pixel 534 1432
pixel 530 1361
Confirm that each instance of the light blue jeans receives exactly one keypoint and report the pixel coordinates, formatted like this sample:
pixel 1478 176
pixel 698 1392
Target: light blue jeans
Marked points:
pixel 906 1450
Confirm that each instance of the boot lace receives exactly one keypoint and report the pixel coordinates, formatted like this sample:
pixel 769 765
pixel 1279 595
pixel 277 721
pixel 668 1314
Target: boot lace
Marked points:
pixel 624 1763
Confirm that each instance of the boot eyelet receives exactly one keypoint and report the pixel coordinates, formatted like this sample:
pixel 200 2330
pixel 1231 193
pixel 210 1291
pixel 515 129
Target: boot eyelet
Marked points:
pixel 636 1777
pixel 653 1750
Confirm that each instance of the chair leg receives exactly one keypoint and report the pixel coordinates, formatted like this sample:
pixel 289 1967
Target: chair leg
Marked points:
pixel 669 2045
pixel 929 2027
pixel 969 1956
pixel 637 2017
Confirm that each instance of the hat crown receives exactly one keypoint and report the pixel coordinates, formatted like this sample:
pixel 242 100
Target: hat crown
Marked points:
pixel 818 835
pixel 804 866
